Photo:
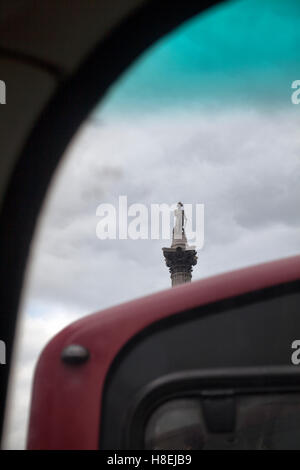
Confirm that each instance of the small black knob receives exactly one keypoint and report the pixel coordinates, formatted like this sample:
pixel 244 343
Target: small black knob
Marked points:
pixel 75 354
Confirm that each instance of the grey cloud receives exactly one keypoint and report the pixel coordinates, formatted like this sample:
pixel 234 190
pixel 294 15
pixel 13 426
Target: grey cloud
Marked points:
pixel 249 186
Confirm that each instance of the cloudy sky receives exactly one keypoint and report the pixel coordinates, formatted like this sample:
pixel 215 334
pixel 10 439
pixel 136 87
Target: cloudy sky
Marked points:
pixel 204 116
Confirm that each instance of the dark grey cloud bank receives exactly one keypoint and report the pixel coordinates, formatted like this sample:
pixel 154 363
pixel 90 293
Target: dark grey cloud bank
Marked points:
pixel 244 167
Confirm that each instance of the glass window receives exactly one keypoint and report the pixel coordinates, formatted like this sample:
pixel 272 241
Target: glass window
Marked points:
pixel 261 422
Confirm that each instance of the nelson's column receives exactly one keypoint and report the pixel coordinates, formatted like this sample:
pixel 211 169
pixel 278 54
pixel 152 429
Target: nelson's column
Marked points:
pixel 180 258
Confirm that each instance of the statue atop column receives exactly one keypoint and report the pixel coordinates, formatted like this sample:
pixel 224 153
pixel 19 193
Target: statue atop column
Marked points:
pixel 179 238
pixel 180 220
pixel 180 258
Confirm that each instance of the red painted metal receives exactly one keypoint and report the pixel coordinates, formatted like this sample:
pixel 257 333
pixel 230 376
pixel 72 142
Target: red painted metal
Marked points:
pixel 66 400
